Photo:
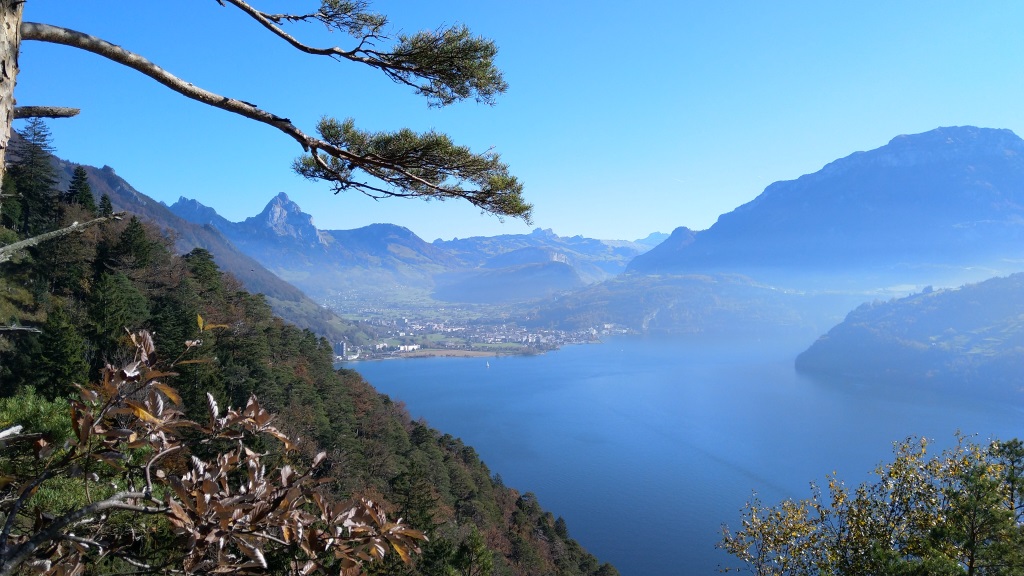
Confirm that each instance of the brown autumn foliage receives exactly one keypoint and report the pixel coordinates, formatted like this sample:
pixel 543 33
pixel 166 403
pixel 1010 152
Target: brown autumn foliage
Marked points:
pixel 137 457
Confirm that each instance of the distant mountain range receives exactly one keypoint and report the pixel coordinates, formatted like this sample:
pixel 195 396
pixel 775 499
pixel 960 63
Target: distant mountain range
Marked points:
pixel 690 304
pixel 940 207
pixel 545 280
pixel 918 209
pixel 370 261
pixel 285 299
pixel 943 207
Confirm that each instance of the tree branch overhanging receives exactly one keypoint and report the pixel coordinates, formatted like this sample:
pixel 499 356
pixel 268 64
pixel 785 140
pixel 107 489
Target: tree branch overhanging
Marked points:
pixel 396 159
pixel 17 328
pixel 45 112
pixel 445 65
pixel 8 251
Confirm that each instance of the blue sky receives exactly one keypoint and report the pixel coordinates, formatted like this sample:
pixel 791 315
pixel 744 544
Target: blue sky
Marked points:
pixel 621 119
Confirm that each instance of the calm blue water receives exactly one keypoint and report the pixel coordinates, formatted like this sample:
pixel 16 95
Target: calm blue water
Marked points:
pixel 647 446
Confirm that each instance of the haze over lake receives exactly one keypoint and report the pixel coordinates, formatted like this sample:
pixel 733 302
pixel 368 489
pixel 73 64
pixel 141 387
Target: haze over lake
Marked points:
pixel 646 446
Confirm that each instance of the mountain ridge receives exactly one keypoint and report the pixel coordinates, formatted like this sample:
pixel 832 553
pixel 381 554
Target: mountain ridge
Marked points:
pixel 948 196
pixel 360 261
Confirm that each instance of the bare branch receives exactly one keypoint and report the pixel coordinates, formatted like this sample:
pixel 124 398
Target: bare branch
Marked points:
pixel 12 516
pixel 8 251
pixel 52 531
pixel 269 22
pixel 67 37
pixel 16 328
pixel 45 112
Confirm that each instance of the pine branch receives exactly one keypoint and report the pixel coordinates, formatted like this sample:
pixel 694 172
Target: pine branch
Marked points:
pixel 496 192
pixel 446 65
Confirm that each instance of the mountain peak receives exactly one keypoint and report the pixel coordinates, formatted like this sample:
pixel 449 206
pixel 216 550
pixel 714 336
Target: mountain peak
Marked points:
pixel 283 217
pixel 284 202
pixel 655 238
pixel 196 212
pixel 957 136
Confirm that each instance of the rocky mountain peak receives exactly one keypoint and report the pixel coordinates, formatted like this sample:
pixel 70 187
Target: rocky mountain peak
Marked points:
pixel 654 238
pixel 283 217
pixel 195 212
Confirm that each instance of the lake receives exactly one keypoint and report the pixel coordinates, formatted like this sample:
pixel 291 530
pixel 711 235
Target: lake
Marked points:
pixel 647 446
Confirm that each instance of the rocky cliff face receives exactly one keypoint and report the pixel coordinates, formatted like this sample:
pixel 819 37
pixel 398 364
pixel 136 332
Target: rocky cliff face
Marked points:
pixel 195 212
pixel 284 219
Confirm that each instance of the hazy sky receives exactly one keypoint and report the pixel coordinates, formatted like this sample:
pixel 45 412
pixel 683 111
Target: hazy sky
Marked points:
pixel 621 118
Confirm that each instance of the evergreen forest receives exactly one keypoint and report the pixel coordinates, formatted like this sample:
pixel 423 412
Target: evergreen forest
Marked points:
pixel 79 310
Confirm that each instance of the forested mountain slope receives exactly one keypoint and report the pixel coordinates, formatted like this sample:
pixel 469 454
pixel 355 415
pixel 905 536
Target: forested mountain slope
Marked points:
pixel 970 338
pixel 82 293
pixel 285 299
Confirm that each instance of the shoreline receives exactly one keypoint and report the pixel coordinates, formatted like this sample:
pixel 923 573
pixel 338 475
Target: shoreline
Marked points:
pixel 461 353
pixel 445 353
pixel 442 353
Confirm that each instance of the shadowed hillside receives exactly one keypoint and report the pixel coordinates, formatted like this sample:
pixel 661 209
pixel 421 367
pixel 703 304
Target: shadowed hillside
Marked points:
pixel 971 338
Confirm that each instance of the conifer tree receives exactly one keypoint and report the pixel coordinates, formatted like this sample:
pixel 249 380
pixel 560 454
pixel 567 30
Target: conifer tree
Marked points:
pixel 473 558
pixel 10 208
pixel 134 249
pixel 64 265
pixel 79 192
pixel 62 361
pixel 205 272
pixel 116 305
pixel 106 208
pixel 35 178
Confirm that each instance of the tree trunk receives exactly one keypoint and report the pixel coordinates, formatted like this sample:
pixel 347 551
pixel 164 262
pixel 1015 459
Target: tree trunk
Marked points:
pixel 10 42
